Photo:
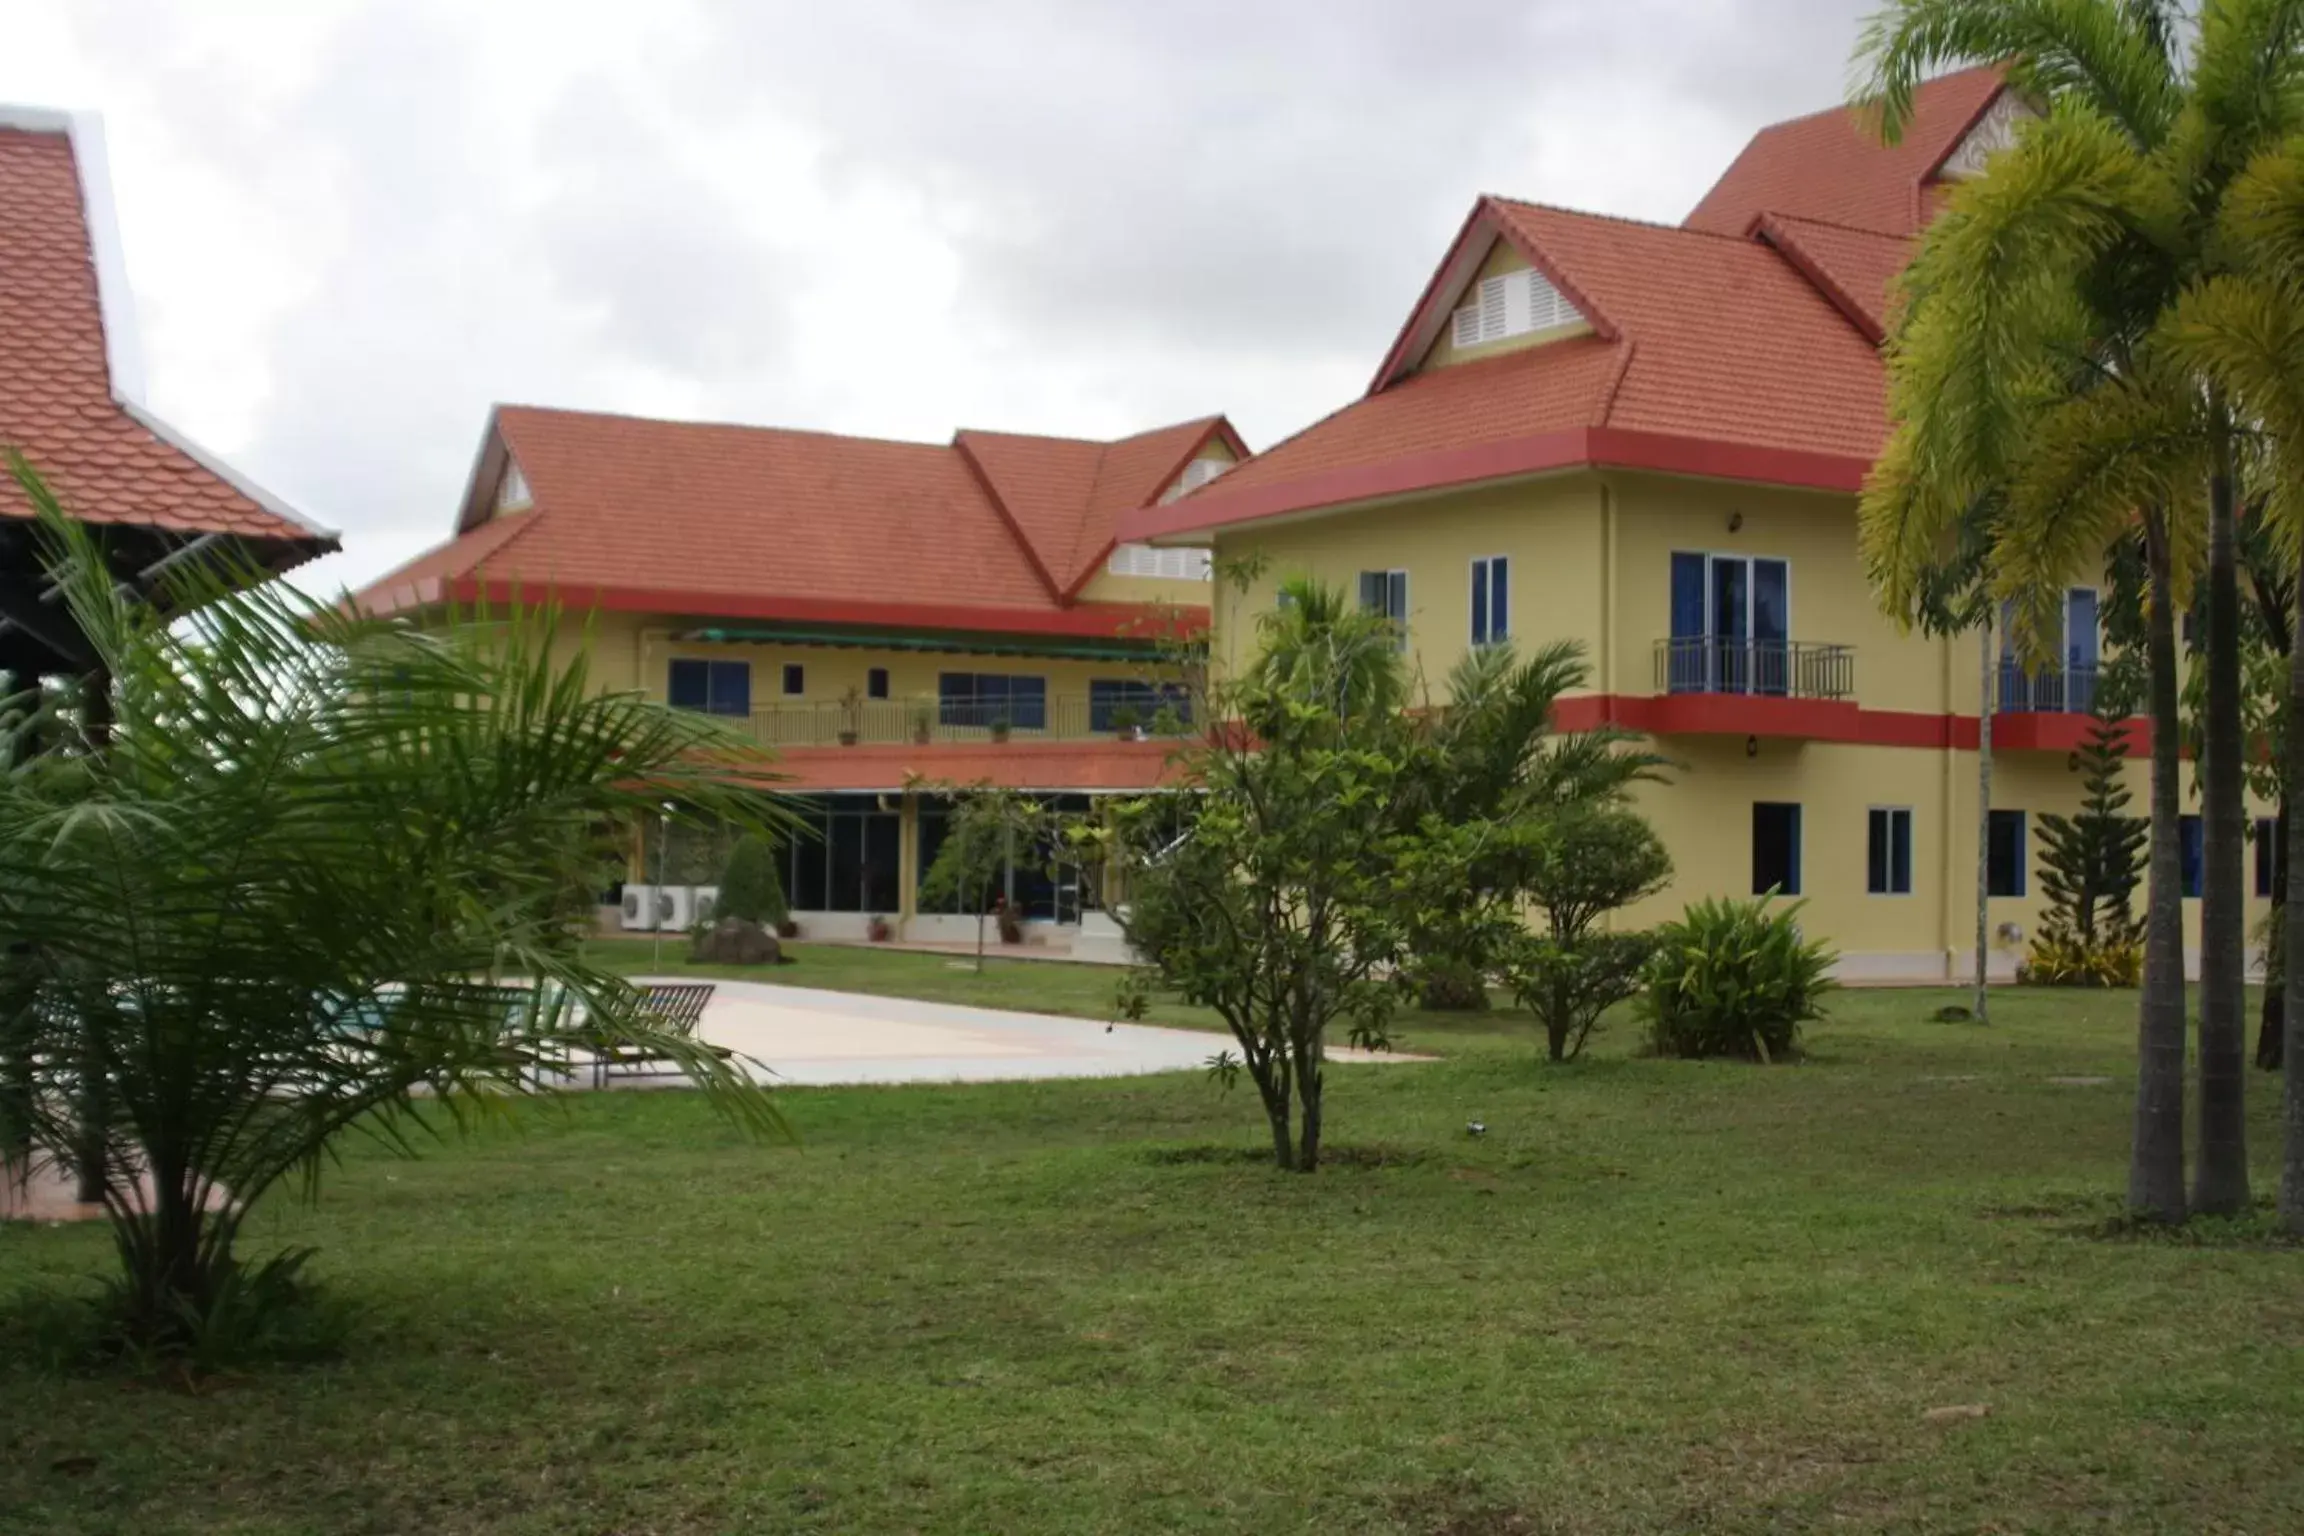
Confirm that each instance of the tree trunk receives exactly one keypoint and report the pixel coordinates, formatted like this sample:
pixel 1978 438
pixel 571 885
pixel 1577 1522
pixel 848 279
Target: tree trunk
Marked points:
pixel 2272 1024
pixel 2156 1161
pixel 2292 1088
pixel 1309 1085
pixel 2220 1178
pixel 1988 697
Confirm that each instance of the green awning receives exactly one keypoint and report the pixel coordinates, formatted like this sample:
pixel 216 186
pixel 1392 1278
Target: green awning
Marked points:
pixel 955 643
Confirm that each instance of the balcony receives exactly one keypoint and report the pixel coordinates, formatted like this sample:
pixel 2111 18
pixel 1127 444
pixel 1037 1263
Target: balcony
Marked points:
pixel 931 721
pixel 2065 690
pixel 2050 710
pixel 1796 688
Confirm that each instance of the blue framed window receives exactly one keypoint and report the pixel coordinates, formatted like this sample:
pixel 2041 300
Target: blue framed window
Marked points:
pixel 1775 848
pixel 795 680
pixel 2267 854
pixel 1731 624
pixel 1108 695
pixel 1491 600
pixel 876 683
pixel 715 687
pixel 2191 854
pixel 992 698
pixel 1386 592
pixel 1888 851
pixel 2004 854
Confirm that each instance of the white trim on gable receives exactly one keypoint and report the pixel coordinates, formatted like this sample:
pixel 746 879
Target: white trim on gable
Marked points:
pixel 116 304
pixel 1994 131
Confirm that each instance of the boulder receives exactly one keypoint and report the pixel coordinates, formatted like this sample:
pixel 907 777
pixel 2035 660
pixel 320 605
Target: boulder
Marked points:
pixel 733 941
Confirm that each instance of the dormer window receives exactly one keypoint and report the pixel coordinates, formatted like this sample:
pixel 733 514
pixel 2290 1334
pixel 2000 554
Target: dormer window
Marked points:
pixel 1180 564
pixel 512 490
pixel 1512 304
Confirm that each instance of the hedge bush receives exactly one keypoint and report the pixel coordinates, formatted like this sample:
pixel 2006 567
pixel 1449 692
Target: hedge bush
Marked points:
pixel 1734 978
pixel 750 887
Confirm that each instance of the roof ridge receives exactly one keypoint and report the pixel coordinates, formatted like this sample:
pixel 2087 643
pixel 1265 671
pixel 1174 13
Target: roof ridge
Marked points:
pixel 716 425
pixel 1853 229
pixel 1614 218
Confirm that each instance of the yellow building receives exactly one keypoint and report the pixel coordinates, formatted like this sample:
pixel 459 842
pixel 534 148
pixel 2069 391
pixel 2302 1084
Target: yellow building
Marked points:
pixel 1648 439
pixel 883 614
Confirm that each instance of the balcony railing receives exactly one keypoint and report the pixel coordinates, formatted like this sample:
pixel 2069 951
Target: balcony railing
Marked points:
pixel 930 721
pixel 1782 669
pixel 2068 690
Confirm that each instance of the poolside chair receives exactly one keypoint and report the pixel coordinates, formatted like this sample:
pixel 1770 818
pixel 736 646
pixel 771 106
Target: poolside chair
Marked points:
pixel 676 1008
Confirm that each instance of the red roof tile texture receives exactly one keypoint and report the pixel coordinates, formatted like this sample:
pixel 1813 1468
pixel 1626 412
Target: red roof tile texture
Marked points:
pixel 1854 268
pixel 1832 166
pixel 717 519
pixel 56 400
pixel 1752 329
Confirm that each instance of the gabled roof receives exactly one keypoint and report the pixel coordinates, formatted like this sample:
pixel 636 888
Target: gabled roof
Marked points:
pixel 1741 345
pixel 65 400
pixel 1831 166
pixel 1708 341
pixel 1854 268
pixel 992 532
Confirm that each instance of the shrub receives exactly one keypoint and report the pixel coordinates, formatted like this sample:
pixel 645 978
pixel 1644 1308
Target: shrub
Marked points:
pixel 1569 985
pixel 750 887
pixel 2061 958
pixel 1733 978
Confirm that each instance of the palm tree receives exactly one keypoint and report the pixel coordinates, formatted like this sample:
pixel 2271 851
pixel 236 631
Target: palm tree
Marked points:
pixel 2244 328
pixel 2030 359
pixel 324 873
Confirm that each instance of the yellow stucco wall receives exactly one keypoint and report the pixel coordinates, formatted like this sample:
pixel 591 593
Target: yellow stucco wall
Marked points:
pixel 636 651
pixel 1501 258
pixel 1591 560
pixel 1549 529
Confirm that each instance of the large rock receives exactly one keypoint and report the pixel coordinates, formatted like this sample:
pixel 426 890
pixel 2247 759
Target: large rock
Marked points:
pixel 733 941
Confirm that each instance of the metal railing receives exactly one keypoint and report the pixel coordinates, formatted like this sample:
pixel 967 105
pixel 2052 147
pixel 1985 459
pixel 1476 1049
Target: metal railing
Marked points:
pixel 2066 690
pixel 929 721
pixel 1783 669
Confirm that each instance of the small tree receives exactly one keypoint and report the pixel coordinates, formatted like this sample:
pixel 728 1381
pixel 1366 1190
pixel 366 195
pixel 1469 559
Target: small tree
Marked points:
pixel 2090 866
pixel 1287 905
pixel 750 887
pixel 989 829
pixel 1586 864
pixel 272 907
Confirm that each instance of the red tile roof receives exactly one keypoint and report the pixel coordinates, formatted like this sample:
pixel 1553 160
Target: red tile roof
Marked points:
pixel 108 459
pixel 1714 339
pixel 1854 268
pixel 994 531
pixel 1050 765
pixel 1831 165
pixel 1740 345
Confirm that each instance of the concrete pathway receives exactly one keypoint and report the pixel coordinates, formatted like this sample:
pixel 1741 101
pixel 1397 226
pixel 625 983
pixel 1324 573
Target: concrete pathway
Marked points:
pixel 804 1036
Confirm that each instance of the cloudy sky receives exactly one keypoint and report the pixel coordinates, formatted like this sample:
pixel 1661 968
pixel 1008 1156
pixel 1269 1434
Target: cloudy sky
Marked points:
pixel 350 227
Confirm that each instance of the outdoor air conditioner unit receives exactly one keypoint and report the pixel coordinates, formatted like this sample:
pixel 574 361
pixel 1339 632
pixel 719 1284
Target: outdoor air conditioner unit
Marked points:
pixel 707 905
pixel 677 909
pixel 640 906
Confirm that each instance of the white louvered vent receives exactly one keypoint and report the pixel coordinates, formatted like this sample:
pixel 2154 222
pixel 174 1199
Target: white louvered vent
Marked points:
pixel 1162 564
pixel 1200 471
pixel 512 490
pixel 1511 305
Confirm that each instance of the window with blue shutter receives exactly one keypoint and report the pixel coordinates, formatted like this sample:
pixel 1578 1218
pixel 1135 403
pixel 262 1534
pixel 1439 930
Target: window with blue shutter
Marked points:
pixel 1491 600
pixel 716 687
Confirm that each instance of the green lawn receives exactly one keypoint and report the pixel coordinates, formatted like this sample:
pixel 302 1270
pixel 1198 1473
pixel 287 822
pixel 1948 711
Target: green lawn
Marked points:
pixel 1654 1297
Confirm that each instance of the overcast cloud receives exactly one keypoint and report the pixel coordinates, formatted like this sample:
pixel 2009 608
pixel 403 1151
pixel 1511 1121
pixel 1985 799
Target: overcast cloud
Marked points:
pixel 352 227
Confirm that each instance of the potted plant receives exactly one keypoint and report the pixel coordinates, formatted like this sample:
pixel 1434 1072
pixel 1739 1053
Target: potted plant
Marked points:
pixel 1000 728
pixel 877 930
pixel 851 718
pixel 923 722
pixel 1128 723
pixel 786 928
pixel 1011 927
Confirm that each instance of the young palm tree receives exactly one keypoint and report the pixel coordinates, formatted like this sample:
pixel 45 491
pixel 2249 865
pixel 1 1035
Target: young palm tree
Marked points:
pixel 273 903
pixel 2030 359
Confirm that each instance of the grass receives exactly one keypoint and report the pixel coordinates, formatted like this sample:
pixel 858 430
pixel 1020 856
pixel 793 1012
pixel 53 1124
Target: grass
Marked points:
pixel 1655 1296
